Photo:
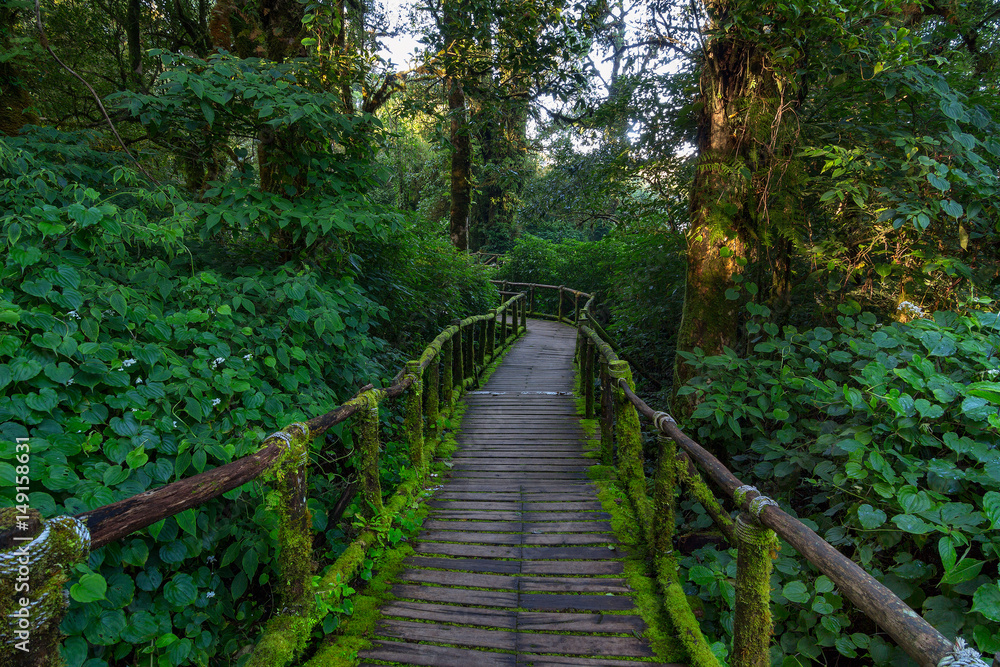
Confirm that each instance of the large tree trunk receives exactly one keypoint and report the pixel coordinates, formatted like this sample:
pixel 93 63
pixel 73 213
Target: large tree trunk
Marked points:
pixel 502 129
pixel 14 96
pixel 461 161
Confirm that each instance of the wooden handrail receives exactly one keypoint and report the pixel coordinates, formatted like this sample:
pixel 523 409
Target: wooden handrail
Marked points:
pixel 918 638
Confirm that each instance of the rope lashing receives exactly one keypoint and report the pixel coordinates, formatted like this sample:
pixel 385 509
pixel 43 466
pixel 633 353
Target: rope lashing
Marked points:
pixel 758 504
pixel 660 418
pixel 962 656
pixel 751 532
pixel 287 439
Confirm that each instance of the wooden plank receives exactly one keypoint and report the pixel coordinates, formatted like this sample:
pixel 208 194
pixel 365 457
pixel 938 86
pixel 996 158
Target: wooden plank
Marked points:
pixel 544 602
pixel 569 539
pixel 523 477
pixel 447 494
pixel 457 595
pixel 495 618
pixel 435 656
pixel 475 580
pixel 582 645
pixel 484 505
pixel 468 537
pixel 569 585
pixel 597 623
pixel 566 526
pixel 592 567
pixel 472 515
pixel 468 564
pixel 572 502
pixel 470 550
pixel 569 553
pixel 448 634
pixel 478 526
pixel 530 516
pixel 529 660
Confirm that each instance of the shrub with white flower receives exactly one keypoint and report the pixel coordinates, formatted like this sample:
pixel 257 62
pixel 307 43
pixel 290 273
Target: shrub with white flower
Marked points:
pixel 73 315
pixel 247 357
pixel 218 361
pixel 216 401
pixel 128 362
pixel 910 308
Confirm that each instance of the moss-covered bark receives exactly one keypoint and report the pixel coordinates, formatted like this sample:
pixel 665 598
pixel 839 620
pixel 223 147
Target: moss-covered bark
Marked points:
pixel 628 433
pixel 366 437
pixel 413 422
pixel 665 496
pixel 447 367
pixel 752 626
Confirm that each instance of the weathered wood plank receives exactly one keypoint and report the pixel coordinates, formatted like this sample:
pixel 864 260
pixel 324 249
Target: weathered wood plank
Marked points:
pixel 474 580
pixel 436 656
pixel 492 565
pixel 569 539
pixel 597 623
pixel 582 645
pixel 449 634
pixel 477 526
pixel 566 526
pixel 457 595
pixel 570 553
pixel 469 537
pixel 570 585
pixel 545 602
pixel 470 550
pixel 494 618
pixel 592 567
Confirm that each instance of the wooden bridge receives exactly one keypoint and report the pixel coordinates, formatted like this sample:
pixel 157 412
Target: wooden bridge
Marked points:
pixel 517 564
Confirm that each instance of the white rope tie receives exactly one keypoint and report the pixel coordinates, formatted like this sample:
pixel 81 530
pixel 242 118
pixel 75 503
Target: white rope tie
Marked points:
pixel 962 656
pixel 659 418
pixel 758 504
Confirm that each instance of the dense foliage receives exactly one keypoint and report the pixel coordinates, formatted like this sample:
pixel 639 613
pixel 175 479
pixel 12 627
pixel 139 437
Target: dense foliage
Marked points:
pixel 882 438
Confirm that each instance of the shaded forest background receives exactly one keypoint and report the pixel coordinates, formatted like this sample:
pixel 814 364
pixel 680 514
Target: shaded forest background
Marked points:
pixel 223 217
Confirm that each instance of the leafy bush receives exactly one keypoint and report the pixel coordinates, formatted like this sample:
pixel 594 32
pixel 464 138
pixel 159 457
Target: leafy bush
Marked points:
pixel 882 437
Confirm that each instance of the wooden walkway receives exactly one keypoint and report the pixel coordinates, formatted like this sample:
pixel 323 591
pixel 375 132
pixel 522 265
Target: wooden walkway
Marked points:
pixel 516 564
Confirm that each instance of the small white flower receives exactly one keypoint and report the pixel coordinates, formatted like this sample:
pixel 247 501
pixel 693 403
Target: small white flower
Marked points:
pixel 128 362
pixel 210 594
pixel 211 312
pixel 910 308
pixel 217 361
pixel 247 357
pixel 73 315
pixel 175 423
pixel 138 380
pixel 216 401
pixel 993 372
pixel 70 381
pixel 210 560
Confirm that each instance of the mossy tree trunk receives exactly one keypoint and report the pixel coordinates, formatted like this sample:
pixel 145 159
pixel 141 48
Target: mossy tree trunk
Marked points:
pixel 739 200
pixel 461 164
pixel 15 99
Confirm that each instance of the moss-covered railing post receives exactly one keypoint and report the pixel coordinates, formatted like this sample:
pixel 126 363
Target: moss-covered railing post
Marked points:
pixel 366 437
pixel 481 349
pixel 447 366
pixel 607 415
pixel 576 308
pixel 531 299
pixel 588 376
pixel 432 398
pixel 559 309
pixel 665 495
pixel 491 334
pixel 752 626
pixel 413 421
pixel 458 363
pixel 503 326
pixel 524 312
pixel 469 354
pixel 35 558
pixel 628 432
pixel 287 634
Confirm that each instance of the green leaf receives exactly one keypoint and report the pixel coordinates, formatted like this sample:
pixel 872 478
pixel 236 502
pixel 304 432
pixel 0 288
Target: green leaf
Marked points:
pixel 136 458
pixel 991 505
pixel 117 302
pixel 90 588
pixel 965 570
pixel 701 575
pixel 870 517
pixel 823 584
pixel 952 208
pixel 796 591
pixel 187 521
pixel 912 524
pixel 941 184
pixel 114 475
pixel 986 601
pixel 947 552
pixel 181 591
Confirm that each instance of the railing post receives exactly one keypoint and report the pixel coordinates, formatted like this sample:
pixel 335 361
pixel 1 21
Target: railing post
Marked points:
pixel 447 367
pixel 588 375
pixel 366 426
pixel 39 554
pixel 664 495
pixel 470 353
pixel 607 415
pixel 491 334
pixel 561 288
pixel 481 353
pixel 581 359
pixel 413 422
pixel 531 299
pixel 503 326
pixel 431 397
pixel 628 432
pixel 576 308
pixel 458 371
pixel 524 312
pixel 752 626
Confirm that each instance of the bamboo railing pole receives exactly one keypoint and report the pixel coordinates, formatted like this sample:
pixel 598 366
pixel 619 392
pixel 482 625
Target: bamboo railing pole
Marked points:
pixel 432 398
pixel 413 421
pixel 491 334
pixel 458 370
pixel 752 626
pixel 447 369
pixel 607 415
pixel 366 427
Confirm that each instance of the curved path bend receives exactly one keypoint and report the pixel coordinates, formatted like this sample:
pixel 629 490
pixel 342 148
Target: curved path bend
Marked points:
pixel 516 565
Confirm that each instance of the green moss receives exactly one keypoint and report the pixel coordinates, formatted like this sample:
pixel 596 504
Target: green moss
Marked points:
pixel 696 487
pixel 366 426
pixel 628 433
pixel 413 421
pixel 752 625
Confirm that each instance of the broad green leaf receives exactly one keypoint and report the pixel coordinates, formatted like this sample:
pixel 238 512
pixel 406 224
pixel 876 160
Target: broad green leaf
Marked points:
pixel 796 591
pixel 986 601
pixel 965 570
pixel 870 517
pixel 912 524
pixel 186 520
pixel 180 591
pixel 90 588
pixel 991 506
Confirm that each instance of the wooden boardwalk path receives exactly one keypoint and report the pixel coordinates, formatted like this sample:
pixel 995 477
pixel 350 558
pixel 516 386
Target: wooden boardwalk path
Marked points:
pixel 516 565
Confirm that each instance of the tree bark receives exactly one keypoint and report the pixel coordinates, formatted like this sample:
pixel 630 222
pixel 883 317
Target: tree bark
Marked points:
pixel 461 161
pixel 14 96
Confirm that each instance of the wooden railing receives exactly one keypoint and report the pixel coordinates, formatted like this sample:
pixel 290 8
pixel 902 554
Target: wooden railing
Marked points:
pixel 752 532
pixel 431 385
